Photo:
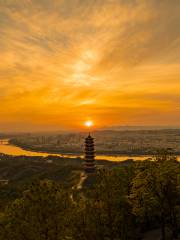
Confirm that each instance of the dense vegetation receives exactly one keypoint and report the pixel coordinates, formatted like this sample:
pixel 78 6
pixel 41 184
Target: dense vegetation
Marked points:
pixel 122 203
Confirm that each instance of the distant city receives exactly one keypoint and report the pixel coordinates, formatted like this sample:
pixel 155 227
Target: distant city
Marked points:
pixel 131 142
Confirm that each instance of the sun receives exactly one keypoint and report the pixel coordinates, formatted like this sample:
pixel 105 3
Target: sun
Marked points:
pixel 88 123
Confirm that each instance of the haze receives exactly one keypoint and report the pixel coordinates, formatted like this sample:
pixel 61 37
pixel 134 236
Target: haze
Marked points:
pixel 64 62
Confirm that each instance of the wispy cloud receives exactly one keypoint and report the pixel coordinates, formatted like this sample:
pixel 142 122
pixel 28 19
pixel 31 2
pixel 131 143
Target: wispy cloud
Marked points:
pixel 67 59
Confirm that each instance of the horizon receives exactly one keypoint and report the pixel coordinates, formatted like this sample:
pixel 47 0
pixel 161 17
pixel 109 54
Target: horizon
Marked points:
pixel 86 130
pixel 116 63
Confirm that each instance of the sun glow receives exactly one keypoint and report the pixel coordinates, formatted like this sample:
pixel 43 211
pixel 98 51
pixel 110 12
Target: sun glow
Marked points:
pixel 88 123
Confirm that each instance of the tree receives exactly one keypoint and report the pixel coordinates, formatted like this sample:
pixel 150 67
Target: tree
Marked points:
pixel 155 192
pixel 40 214
pixel 104 211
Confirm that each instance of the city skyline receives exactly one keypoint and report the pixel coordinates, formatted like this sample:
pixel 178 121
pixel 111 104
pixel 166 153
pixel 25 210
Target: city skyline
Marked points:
pixel 116 63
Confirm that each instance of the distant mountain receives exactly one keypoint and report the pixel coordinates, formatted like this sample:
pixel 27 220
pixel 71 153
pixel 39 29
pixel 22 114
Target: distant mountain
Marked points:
pixel 122 128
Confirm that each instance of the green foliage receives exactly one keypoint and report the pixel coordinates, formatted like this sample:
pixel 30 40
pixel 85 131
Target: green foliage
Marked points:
pixel 21 172
pixel 40 214
pixel 120 204
pixel 155 192
pixel 105 212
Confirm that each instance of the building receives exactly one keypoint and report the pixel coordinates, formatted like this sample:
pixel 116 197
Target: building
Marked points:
pixel 89 165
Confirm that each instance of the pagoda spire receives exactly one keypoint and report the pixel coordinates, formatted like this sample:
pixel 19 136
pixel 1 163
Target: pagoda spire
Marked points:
pixel 89 165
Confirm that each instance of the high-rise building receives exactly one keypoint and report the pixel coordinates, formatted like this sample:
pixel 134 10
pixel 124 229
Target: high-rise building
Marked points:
pixel 89 165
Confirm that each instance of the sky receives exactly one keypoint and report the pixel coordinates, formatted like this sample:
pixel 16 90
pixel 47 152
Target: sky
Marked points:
pixel 115 62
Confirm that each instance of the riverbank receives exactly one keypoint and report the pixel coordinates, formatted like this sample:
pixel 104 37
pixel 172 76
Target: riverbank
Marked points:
pixel 15 149
pixel 113 157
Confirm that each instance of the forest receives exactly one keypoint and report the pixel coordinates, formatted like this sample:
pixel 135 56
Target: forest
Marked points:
pixel 121 203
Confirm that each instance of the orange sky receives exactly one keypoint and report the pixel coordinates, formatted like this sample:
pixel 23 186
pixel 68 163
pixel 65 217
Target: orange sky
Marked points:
pixel 63 62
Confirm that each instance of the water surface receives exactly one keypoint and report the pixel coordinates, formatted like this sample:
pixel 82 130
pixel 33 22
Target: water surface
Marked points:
pixel 10 149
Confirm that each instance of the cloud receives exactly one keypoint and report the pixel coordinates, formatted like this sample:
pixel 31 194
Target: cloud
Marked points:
pixel 150 33
pixel 71 58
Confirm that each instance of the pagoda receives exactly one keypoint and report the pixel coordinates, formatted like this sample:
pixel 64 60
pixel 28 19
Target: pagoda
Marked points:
pixel 89 165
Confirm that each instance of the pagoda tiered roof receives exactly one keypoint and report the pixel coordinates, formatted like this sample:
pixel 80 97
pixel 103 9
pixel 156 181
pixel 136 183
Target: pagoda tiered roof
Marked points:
pixel 89 165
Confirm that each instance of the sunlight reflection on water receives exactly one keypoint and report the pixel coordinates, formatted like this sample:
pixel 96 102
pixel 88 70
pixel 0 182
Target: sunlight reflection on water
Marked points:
pixel 17 151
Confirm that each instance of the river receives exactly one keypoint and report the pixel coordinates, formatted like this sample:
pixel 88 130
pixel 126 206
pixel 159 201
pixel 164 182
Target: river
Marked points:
pixel 10 149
